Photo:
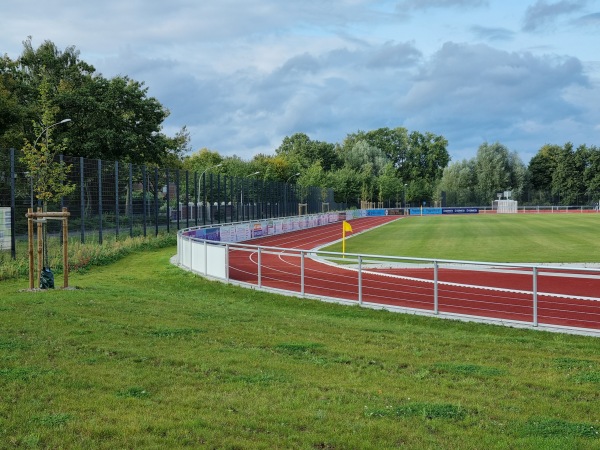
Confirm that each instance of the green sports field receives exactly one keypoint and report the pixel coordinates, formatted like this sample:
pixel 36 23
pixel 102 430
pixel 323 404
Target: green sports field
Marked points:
pixel 529 238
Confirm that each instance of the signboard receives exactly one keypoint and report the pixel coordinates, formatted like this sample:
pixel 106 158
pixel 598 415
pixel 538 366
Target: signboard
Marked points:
pixel 436 211
pixel 5 228
pixel 460 211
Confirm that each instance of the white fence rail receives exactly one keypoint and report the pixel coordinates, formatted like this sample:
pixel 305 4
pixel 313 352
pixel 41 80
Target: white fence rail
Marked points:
pixel 553 298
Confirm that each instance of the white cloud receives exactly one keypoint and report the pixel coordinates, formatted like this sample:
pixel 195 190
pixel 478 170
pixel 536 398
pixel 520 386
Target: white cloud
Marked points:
pixel 543 12
pixel 241 75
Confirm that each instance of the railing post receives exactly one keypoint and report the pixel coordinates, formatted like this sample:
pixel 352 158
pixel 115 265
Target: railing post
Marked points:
pixel 302 273
pixel 191 253
pixel 435 288
pixel 205 258
pixel 360 299
pixel 227 262
pixel 259 267
pixel 535 297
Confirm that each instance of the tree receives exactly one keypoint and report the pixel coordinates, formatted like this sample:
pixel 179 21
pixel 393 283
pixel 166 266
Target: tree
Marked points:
pixel 346 184
pixel 591 173
pixel 12 112
pixel 112 119
pixel 300 148
pixel 567 177
pixel 458 181
pixel 393 143
pixel 390 186
pixel 202 160
pixel 426 158
pixel 363 153
pixel 491 166
pixel 314 176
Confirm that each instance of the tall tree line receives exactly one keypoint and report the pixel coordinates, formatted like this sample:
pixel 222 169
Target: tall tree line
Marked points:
pixel 556 175
pixel 387 166
pixel 112 119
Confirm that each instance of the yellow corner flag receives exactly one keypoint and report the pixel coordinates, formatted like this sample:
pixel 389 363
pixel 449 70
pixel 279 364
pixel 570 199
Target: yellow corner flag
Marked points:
pixel 345 227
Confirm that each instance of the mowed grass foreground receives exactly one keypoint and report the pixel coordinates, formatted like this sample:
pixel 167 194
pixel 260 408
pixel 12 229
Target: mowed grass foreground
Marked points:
pixel 525 238
pixel 144 355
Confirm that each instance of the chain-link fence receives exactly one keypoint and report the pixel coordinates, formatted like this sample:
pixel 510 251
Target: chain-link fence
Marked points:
pixel 118 199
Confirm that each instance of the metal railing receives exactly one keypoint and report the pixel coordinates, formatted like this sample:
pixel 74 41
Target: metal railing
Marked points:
pixel 549 297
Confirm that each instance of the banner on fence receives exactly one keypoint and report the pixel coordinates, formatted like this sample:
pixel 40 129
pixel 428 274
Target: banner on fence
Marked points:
pixel 460 211
pixel 438 211
pixel 5 228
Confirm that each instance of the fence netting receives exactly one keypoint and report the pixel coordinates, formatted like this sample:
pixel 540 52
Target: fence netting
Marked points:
pixel 113 199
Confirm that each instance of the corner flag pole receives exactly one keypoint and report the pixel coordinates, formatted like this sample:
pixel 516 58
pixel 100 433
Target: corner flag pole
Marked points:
pixel 345 227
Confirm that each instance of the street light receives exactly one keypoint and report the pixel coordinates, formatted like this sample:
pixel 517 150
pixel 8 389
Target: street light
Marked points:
pixel 45 130
pixel 404 194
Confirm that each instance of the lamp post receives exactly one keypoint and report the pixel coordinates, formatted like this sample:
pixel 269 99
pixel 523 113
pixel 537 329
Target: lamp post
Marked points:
pixel 42 133
pixel 286 195
pixel 404 195
pixel 204 192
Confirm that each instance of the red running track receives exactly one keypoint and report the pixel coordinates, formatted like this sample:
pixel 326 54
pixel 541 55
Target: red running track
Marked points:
pixel 564 298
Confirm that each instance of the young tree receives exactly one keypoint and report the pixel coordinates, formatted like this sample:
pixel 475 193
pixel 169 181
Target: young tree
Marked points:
pixel 48 175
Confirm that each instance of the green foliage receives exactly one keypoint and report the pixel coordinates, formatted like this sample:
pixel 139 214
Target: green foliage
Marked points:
pixel 300 148
pixel 112 119
pixel 84 256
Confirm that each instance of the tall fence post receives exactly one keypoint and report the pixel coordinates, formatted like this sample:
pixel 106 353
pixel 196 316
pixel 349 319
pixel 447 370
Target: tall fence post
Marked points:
pixel 130 200
pixel 156 201
pixel 144 200
pixel 535 296
pixel 196 209
pixel 187 199
pixel 177 195
pixel 218 198
pixel 210 198
pixel 100 201
pixel 168 200
pixel 117 215
pixel 82 199
pixel 13 181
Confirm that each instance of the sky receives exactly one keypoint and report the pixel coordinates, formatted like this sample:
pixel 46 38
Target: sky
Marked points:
pixel 241 75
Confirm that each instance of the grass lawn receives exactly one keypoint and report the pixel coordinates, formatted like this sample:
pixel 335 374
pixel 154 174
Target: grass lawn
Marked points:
pixel 528 238
pixel 144 355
